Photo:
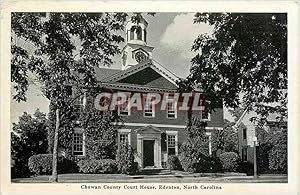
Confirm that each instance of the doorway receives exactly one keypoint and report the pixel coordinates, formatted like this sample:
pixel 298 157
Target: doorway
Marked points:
pixel 148 150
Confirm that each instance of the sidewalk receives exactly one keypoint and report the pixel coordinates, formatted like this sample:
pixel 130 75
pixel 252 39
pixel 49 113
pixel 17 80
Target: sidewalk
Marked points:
pixel 169 178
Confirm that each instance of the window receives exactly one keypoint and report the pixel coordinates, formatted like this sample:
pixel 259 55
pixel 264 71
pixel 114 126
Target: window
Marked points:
pixel 171 109
pixel 148 109
pixel 244 133
pixel 131 34
pixel 145 35
pixel 123 138
pixel 78 144
pixel 171 145
pixel 139 33
pixel 79 103
pixel 204 115
pixel 244 154
pixel 124 108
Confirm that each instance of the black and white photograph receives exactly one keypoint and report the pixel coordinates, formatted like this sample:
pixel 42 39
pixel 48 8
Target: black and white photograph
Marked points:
pixel 193 98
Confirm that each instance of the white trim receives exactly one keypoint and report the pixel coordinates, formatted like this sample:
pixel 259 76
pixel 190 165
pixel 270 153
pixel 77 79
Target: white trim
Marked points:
pixel 209 143
pixel 174 104
pixel 128 107
pixel 174 133
pixel 214 128
pixel 79 130
pixel 165 125
pixel 124 131
pixel 152 107
pixel 165 73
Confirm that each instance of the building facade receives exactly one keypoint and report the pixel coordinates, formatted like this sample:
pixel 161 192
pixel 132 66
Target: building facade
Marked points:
pixel 154 133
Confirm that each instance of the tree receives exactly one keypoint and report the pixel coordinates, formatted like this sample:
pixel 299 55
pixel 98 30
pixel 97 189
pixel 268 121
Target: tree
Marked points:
pixel 246 55
pixel 194 150
pixel 29 137
pixel 55 63
pixel 225 140
pixel 272 151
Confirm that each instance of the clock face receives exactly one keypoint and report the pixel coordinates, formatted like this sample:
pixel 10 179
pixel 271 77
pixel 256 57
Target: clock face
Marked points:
pixel 140 57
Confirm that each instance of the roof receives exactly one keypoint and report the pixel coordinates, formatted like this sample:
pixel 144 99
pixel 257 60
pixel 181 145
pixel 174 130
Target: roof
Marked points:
pixel 134 69
pixel 103 73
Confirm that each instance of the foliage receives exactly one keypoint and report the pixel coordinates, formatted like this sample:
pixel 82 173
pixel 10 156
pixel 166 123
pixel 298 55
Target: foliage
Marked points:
pixel 229 161
pixel 97 166
pixel 272 150
pixel 42 164
pixel 29 137
pixel 100 132
pixel 195 148
pixel 245 167
pixel 278 153
pixel 173 163
pixel 263 151
pixel 56 62
pixel 65 132
pixel 125 160
pixel 246 54
pixel 210 165
pixel 225 140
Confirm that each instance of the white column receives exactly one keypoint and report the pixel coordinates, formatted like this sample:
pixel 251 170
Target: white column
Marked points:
pixel 139 148
pixel 159 152
pixel 209 143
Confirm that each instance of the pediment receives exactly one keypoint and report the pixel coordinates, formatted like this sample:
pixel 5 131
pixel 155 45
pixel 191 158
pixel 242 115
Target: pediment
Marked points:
pixel 148 72
pixel 148 130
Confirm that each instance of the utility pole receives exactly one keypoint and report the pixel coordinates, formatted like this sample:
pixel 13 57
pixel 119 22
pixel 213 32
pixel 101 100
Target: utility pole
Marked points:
pixel 254 158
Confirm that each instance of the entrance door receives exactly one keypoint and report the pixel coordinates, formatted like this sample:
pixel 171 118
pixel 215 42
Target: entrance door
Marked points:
pixel 148 153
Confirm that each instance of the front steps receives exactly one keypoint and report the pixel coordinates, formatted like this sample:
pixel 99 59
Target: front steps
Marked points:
pixel 154 171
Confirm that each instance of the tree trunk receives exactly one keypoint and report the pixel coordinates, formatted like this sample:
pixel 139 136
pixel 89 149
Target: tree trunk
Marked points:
pixel 54 177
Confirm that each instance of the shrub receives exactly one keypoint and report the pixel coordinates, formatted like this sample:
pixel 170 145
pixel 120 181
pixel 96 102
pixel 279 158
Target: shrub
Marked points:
pixel 229 161
pixel 97 166
pixel 42 164
pixel 209 165
pixel 245 167
pixel 173 163
pixel 125 160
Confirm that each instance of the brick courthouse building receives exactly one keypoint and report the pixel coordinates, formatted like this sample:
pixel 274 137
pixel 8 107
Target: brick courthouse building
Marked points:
pixel 154 133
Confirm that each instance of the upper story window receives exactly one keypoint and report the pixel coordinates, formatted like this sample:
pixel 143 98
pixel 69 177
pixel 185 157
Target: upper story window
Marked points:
pixel 79 103
pixel 171 109
pixel 124 109
pixel 149 109
pixel 78 144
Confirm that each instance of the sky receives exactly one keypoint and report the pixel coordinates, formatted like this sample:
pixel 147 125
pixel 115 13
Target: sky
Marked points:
pixel 171 34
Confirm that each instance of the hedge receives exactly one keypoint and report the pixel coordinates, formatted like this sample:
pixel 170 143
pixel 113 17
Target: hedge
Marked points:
pixel 42 164
pixel 229 161
pixel 173 163
pixel 97 166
